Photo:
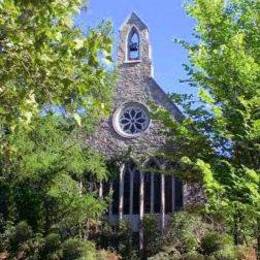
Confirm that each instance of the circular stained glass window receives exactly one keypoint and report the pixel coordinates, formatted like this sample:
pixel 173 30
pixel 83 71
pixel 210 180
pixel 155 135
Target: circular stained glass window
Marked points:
pixel 131 119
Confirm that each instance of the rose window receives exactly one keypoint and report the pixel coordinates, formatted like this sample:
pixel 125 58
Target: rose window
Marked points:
pixel 131 119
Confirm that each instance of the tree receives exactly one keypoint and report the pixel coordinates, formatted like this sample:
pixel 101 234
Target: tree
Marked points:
pixel 54 85
pixel 218 141
pixel 46 61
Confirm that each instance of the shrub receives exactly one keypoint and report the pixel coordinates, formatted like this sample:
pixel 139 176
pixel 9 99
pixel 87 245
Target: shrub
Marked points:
pixel 167 253
pixel 161 256
pixel 21 234
pixel 193 255
pixel 107 255
pixel 185 231
pixel 118 238
pixel 74 248
pixel 214 241
pixel 52 246
pixel 19 238
pixel 246 253
pixel 152 235
pixel 125 242
pixel 228 253
pixel 171 251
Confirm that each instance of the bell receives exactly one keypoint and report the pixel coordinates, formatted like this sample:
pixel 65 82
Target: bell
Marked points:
pixel 133 46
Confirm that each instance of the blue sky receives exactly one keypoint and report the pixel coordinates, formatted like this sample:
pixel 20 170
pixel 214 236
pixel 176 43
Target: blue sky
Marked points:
pixel 166 19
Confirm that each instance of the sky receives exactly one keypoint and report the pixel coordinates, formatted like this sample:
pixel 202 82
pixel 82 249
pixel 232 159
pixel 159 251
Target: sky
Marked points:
pixel 166 20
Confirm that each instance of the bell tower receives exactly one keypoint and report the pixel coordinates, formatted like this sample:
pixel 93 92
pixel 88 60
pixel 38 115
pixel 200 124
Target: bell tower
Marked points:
pixel 134 46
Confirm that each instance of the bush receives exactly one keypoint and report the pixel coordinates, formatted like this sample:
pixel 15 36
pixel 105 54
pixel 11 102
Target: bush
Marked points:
pixel 118 238
pixel 185 231
pixel 152 236
pixel 213 242
pixel 193 255
pixel 20 235
pixel 52 246
pixel 226 254
pixel 161 256
pixel 189 238
pixel 124 233
pixel 74 248
pixel 105 255
pixel 20 242
pixel 245 252
pixel 167 253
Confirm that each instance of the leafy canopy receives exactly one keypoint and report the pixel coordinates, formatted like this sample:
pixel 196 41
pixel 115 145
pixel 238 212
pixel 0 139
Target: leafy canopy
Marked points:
pixel 55 84
pixel 47 61
pixel 218 140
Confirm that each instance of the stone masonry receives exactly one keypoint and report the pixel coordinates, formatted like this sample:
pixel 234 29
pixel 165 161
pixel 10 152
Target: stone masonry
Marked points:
pixel 135 83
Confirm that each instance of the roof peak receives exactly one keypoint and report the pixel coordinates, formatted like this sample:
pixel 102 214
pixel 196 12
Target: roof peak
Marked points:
pixel 134 19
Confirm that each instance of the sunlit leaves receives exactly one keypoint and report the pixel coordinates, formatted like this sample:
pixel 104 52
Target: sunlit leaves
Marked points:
pixel 53 87
pixel 220 139
pixel 225 65
pixel 41 48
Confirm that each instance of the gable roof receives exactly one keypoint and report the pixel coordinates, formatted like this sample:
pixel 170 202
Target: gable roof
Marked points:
pixel 134 19
pixel 163 99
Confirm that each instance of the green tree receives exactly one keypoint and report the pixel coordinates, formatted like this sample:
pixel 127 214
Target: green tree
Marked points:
pixel 55 85
pixel 218 140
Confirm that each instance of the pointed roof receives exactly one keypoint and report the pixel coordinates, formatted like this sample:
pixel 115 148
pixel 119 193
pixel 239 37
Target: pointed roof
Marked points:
pixel 134 19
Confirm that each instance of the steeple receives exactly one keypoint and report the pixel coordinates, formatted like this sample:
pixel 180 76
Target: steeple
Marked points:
pixel 134 45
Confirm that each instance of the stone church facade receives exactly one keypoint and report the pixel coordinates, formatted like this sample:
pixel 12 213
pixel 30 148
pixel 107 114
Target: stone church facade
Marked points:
pixel 131 130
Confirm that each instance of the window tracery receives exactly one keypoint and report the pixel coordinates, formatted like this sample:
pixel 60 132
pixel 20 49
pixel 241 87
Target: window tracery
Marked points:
pixel 131 119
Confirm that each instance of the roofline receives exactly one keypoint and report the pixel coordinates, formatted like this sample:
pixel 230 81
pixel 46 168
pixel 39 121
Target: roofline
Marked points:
pixel 180 114
pixel 128 18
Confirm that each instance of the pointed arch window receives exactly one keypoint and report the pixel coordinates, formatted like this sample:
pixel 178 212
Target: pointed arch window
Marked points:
pixel 133 45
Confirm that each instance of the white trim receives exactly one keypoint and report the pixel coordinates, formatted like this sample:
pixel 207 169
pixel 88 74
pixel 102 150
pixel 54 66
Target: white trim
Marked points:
pixel 100 191
pixel 141 211
pixel 132 61
pixel 163 201
pixel 116 115
pixel 121 192
pixel 127 60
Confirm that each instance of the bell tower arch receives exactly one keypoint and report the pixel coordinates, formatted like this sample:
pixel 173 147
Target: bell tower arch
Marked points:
pixel 134 47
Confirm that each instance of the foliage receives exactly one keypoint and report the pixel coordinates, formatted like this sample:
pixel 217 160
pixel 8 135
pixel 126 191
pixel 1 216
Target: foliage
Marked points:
pixel 46 171
pixel 77 249
pixel 45 191
pixel 218 139
pixel 213 242
pixel 185 231
pixel 46 60
pixel 118 238
pixel 152 235
pixel 22 243
pixel 189 236
pixel 104 255
pixel 55 85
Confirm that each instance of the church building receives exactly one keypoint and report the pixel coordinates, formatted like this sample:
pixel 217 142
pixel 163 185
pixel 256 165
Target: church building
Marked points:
pixel 131 130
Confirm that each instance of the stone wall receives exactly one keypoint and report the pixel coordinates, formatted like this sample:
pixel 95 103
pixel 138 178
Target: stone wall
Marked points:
pixel 135 83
